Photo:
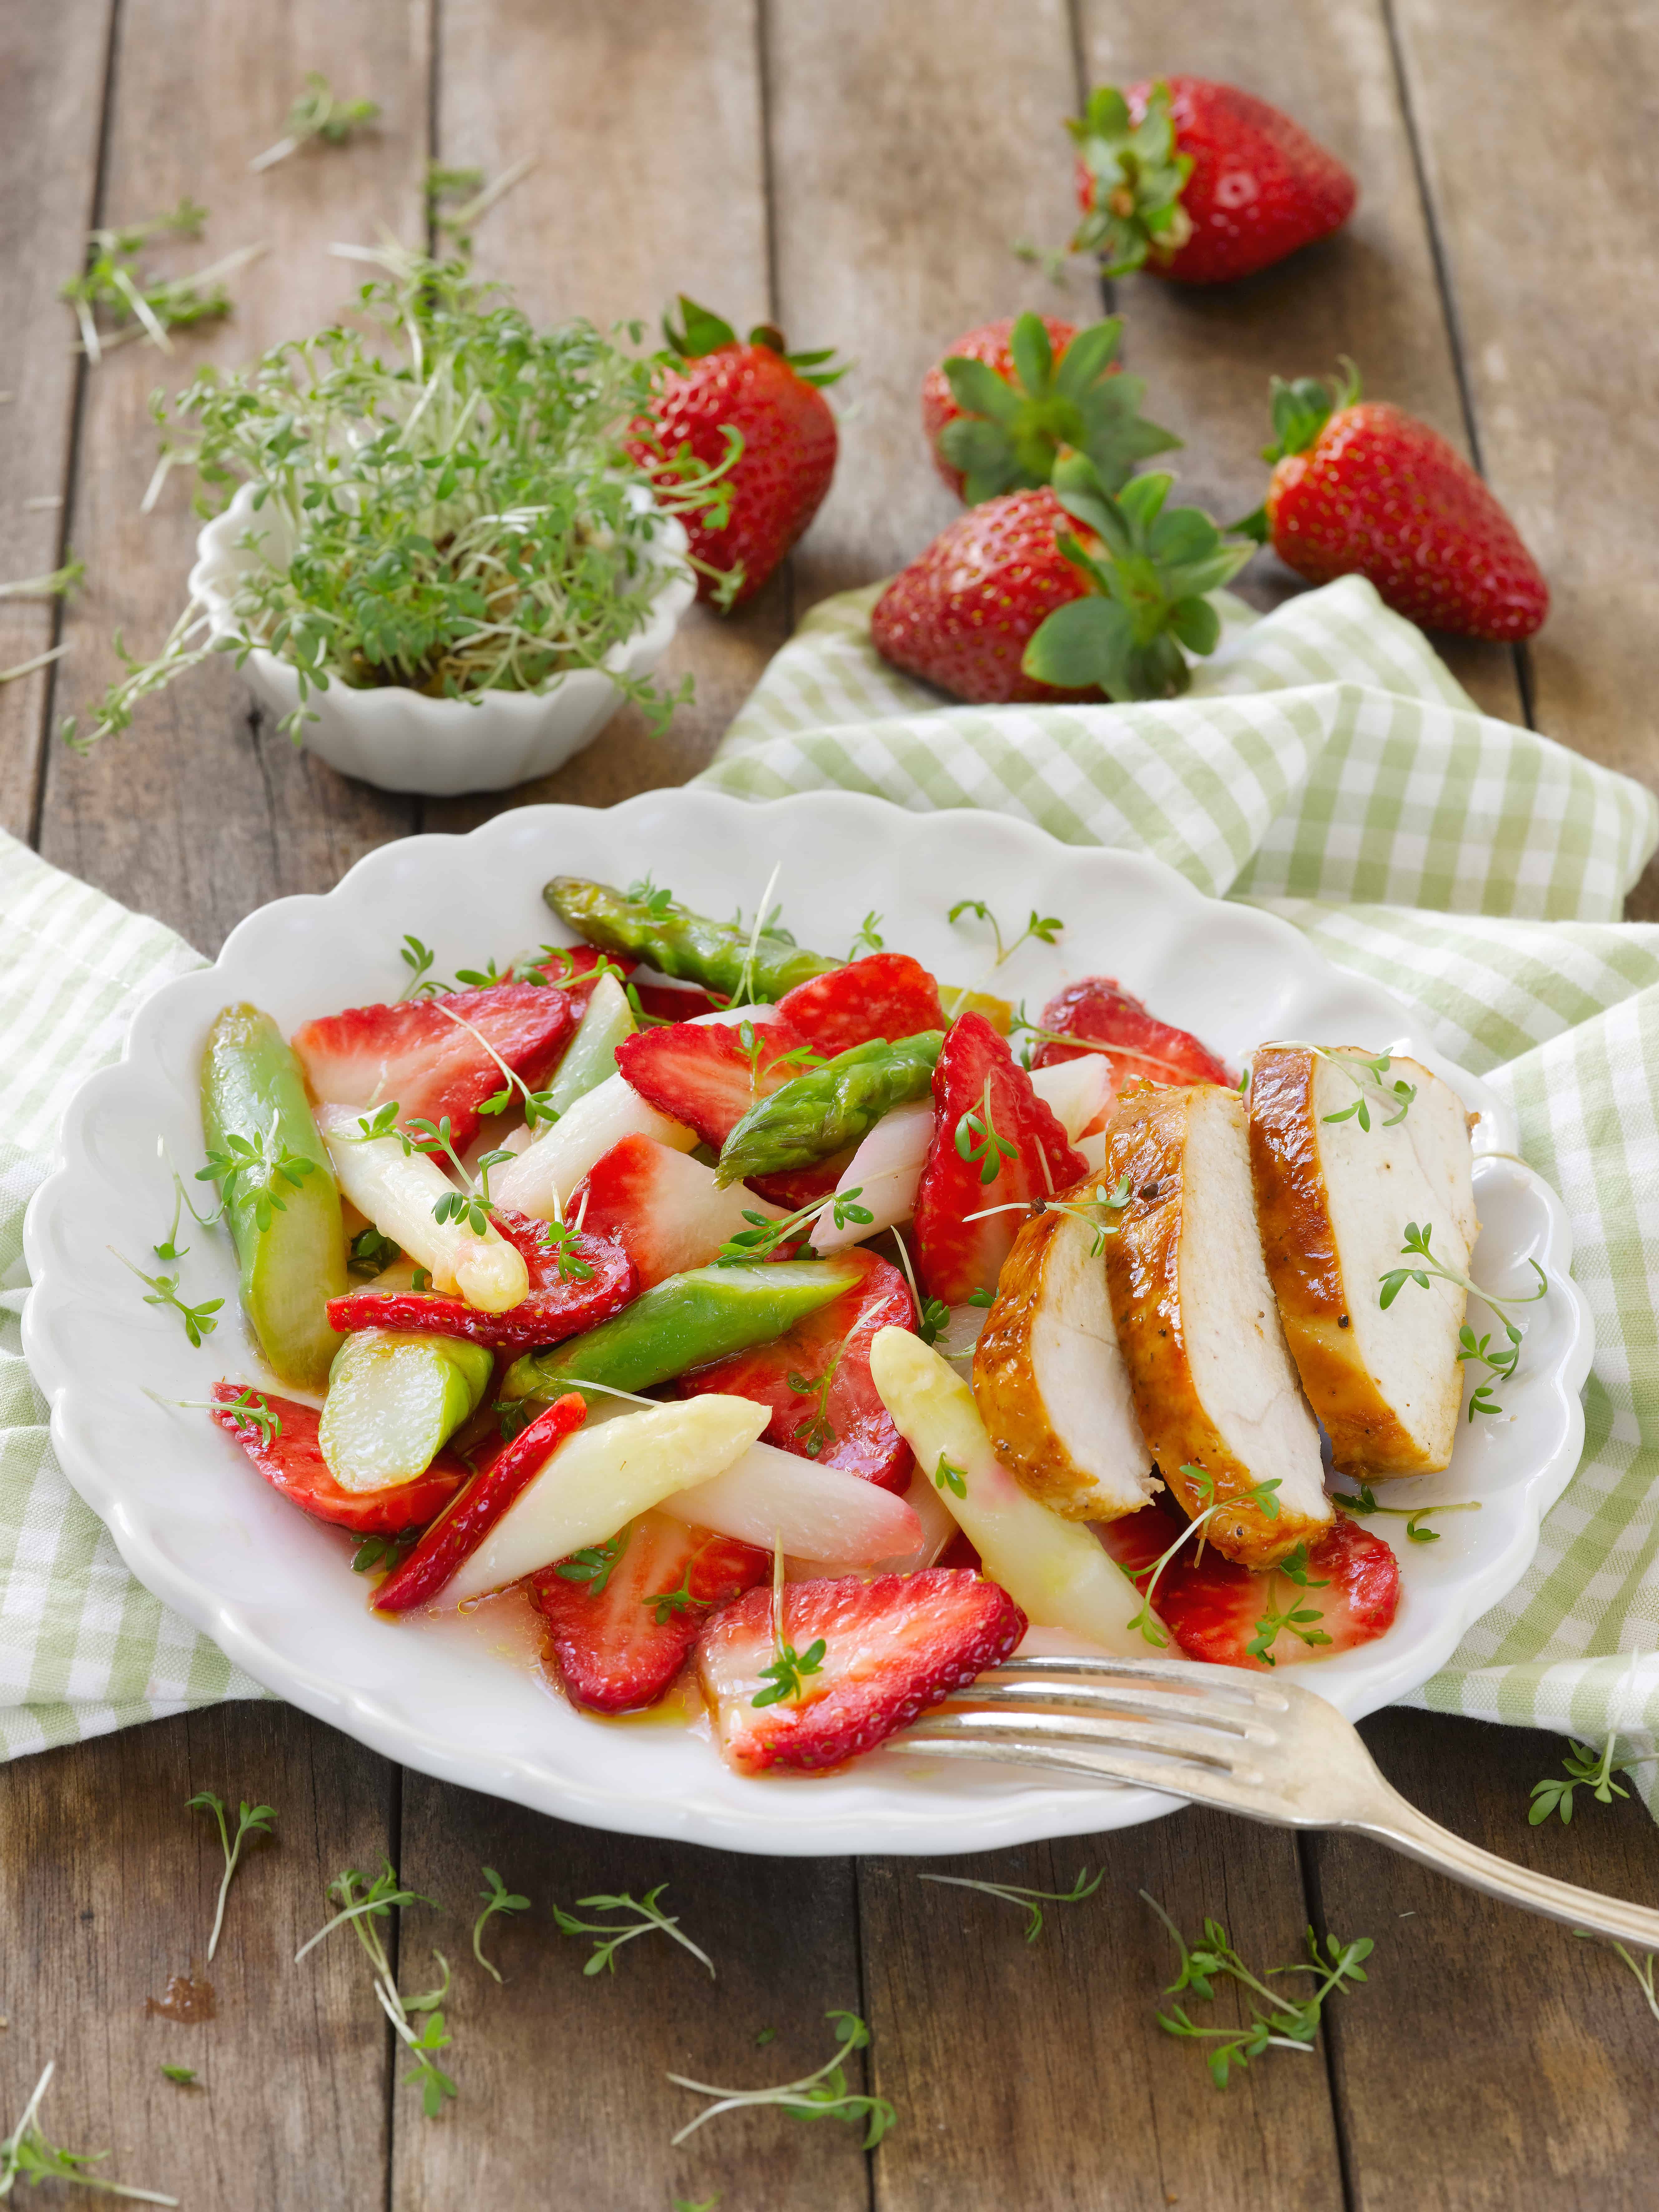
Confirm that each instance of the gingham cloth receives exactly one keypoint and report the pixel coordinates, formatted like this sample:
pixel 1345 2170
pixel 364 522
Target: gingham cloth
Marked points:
pixel 1326 765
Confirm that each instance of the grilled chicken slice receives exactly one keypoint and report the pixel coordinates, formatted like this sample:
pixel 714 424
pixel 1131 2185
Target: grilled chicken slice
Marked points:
pixel 1334 1200
pixel 1051 1387
pixel 1210 1378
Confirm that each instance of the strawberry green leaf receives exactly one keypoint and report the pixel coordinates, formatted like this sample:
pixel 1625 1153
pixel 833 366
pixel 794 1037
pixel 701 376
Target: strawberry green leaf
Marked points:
pixel 701 332
pixel 1139 178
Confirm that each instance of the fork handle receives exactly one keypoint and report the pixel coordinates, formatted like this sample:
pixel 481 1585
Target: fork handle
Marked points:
pixel 1396 1822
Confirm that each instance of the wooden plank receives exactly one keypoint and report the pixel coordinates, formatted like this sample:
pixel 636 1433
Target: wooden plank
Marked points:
pixel 1488 2046
pixel 1371 292
pixel 1041 2064
pixel 203 811
pixel 653 183
pixel 563 2095
pixel 51 83
pixel 107 1888
pixel 1535 126
pixel 906 156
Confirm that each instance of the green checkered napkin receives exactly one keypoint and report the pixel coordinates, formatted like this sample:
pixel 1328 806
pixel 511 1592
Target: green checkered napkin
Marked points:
pixel 1327 766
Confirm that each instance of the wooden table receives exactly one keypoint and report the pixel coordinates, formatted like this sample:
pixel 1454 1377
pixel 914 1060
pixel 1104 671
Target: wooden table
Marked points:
pixel 857 170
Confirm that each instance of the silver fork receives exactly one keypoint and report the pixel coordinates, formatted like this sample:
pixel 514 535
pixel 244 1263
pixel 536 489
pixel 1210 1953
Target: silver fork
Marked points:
pixel 1248 1743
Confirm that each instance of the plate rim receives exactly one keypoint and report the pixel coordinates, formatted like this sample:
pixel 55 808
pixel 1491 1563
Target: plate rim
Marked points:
pixel 993 1825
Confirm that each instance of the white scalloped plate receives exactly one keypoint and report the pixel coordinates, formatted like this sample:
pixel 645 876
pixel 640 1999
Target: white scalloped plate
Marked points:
pixel 460 1700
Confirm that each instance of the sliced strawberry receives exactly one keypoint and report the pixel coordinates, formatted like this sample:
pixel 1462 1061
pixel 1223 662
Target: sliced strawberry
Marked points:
pixel 678 1002
pixel 708 1078
pixel 801 1186
pixel 292 1461
pixel 664 1209
pixel 837 1417
pixel 473 1512
pixel 420 1053
pixel 1213 1608
pixel 574 968
pixel 619 1637
pixel 888 994
pixel 1141 1046
pixel 892 1647
pixel 995 1143
pixel 563 1301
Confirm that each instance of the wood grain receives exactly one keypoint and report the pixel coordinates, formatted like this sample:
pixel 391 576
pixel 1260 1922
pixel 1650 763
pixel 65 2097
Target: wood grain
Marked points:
pixel 565 2098
pixel 203 811
pixel 107 1888
pixel 1430 2113
pixel 1536 125
pixel 1042 2064
pixel 52 90
pixel 627 205
pixel 1371 292
pixel 905 160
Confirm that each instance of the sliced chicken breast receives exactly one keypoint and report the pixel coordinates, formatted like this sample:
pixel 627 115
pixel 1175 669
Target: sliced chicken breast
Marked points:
pixel 1050 1384
pixel 1212 1380
pixel 1334 1200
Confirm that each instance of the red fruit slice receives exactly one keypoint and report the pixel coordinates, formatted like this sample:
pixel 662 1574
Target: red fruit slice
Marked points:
pixel 662 1207
pixel 678 1002
pixel 619 1639
pixel 838 1419
pixel 803 1186
pixel 1141 1046
pixel 888 994
pixel 473 1512
pixel 708 1078
pixel 561 1302
pixel 1213 1607
pixel 292 1462
pixel 893 1646
pixel 976 1076
pixel 419 1052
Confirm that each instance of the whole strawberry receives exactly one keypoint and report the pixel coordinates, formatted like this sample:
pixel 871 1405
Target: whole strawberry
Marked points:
pixel 1362 488
pixel 1014 604
pixel 1200 182
pixel 774 400
pixel 1007 397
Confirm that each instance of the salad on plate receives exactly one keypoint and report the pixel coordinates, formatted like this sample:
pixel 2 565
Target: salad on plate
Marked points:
pixel 789 1336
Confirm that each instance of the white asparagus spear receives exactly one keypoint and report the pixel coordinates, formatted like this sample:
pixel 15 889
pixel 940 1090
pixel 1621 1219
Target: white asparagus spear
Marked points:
pixel 397 1191
pixel 815 1512
pixel 598 1478
pixel 1056 1570
pixel 887 1166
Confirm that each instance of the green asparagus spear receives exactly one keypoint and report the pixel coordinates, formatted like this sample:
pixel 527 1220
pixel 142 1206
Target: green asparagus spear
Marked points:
pixel 688 946
pixel 829 1108
pixel 684 1321
pixel 280 1202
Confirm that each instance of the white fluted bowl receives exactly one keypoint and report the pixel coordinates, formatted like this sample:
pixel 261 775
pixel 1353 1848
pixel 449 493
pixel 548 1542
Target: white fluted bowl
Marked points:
pixel 400 740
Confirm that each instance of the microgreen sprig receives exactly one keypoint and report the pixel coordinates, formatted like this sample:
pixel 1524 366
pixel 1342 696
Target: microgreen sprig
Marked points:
pixel 1363 1503
pixel 1420 1246
pixel 1588 1767
pixel 252 1167
pixel 1030 1901
pixel 1262 1494
pixel 609 1937
pixel 980 1144
pixel 363 1904
pixel 1297 1618
pixel 1371 1075
pixel 26 2155
pixel 1644 1974
pixel 1286 2024
pixel 249 1409
pixel 868 939
pixel 498 1898
pixel 317 114
pixel 761 1241
pixel 199 1321
pixel 594 1564
pixel 821 2095
pixel 419 958
pixel 948 1476
pixel 816 1430
pixel 1044 928
pixel 786 1677
pixel 250 1821
pixel 381 1554
pixel 144 306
